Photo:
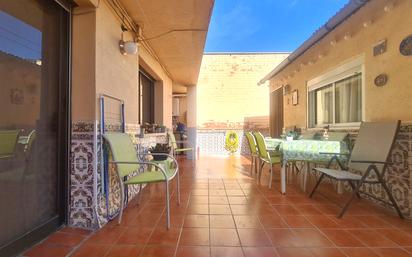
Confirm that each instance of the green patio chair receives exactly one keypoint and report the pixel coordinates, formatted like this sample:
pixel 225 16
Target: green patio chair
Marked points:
pixel 176 149
pixel 337 136
pixel 265 157
pixel 368 161
pixel 126 160
pixel 8 143
pixel 30 142
pixel 253 152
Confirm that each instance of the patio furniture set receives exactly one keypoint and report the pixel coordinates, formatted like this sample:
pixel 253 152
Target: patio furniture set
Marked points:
pixel 365 163
pixel 135 168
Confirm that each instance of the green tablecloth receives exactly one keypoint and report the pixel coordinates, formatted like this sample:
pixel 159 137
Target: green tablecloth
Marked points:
pixel 304 150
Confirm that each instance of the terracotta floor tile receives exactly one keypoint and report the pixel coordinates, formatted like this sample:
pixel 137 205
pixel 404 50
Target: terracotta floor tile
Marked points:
pixel 284 238
pixel 347 222
pixel 234 192
pixel 47 250
pixel 307 209
pixel 259 252
pixel 224 237
pixel 328 209
pixel 391 252
pixel 284 209
pixel 158 251
pixel 219 209
pixel 322 221
pixel 143 220
pixel 217 192
pixel 162 236
pixel 327 252
pixel 279 199
pixel 408 249
pixel 312 238
pixel 247 221
pixel 135 235
pixel 124 251
pixel 359 252
pixel 294 252
pixel 342 238
pixel 199 199
pixel 218 200
pixel 222 221
pixel 241 209
pixel 196 221
pixel 253 237
pixel 226 252
pixel 107 235
pixel 193 251
pixel 371 238
pixel 76 231
pixel 295 221
pixel 198 209
pixel 272 221
pixel 203 192
pixel 398 236
pixel 237 200
pixel 194 237
pixel 65 239
pixel 261 222
pixel 374 222
pixel 92 250
pixel 176 220
pixel 264 209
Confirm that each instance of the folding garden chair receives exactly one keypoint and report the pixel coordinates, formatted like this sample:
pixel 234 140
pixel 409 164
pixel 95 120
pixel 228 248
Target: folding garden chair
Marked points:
pixel 369 158
pixel 128 165
pixel 8 143
pixel 176 149
pixel 253 152
pixel 265 157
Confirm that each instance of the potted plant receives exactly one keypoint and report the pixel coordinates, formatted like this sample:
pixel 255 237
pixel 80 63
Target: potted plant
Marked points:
pixel 160 148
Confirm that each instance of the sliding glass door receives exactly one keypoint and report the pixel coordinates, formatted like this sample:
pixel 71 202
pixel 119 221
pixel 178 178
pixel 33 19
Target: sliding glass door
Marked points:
pixel 34 96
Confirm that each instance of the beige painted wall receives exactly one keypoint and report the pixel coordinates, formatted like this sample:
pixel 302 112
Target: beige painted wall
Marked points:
pixel 392 101
pixel 227 87
pixel 83 65
pixel 99 67
pixel 116 74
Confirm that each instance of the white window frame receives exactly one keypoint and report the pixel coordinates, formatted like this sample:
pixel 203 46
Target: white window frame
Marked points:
pixel 346 70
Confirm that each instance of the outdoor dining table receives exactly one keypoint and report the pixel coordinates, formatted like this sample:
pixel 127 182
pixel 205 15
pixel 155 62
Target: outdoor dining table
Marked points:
pixel 304 150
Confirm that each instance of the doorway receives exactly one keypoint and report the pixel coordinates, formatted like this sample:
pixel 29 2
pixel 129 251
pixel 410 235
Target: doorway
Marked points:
pixel 34 121
pixel 276 112
pixel 147 95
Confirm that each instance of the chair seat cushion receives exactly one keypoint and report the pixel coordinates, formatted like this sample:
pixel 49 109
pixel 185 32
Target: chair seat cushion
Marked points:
pixel 273 160
pixel 151 177
pixel 339 174
pixel 183 149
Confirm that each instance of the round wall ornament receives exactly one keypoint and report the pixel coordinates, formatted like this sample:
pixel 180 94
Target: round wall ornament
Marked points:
pixel 381 80
pixel 406 46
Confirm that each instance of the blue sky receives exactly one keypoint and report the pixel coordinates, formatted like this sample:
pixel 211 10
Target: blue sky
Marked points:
pixel 266 25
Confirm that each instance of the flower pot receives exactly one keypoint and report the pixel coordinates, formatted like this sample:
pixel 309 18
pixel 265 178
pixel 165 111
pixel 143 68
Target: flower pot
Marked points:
pixel 160 157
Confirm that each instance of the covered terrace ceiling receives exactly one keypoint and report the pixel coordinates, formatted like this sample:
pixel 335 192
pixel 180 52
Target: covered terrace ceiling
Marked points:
pixel 176 31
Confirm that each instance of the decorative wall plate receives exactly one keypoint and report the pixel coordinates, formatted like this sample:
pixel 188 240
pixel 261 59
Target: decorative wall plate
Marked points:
pixel 381 80
pixel 406 46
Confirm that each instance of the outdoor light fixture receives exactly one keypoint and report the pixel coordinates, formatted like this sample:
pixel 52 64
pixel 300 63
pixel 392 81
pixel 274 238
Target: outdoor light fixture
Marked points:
pixel 127 47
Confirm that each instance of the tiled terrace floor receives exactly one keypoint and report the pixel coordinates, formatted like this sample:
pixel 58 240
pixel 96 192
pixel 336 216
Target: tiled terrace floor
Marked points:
pixel 225 213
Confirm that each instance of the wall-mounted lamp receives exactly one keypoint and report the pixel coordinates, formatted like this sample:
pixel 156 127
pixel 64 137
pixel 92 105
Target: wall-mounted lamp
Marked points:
pixel 127 47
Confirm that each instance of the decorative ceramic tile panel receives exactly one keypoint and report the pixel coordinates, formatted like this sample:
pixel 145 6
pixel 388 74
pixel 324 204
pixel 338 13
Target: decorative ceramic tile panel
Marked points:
pixel 89 207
